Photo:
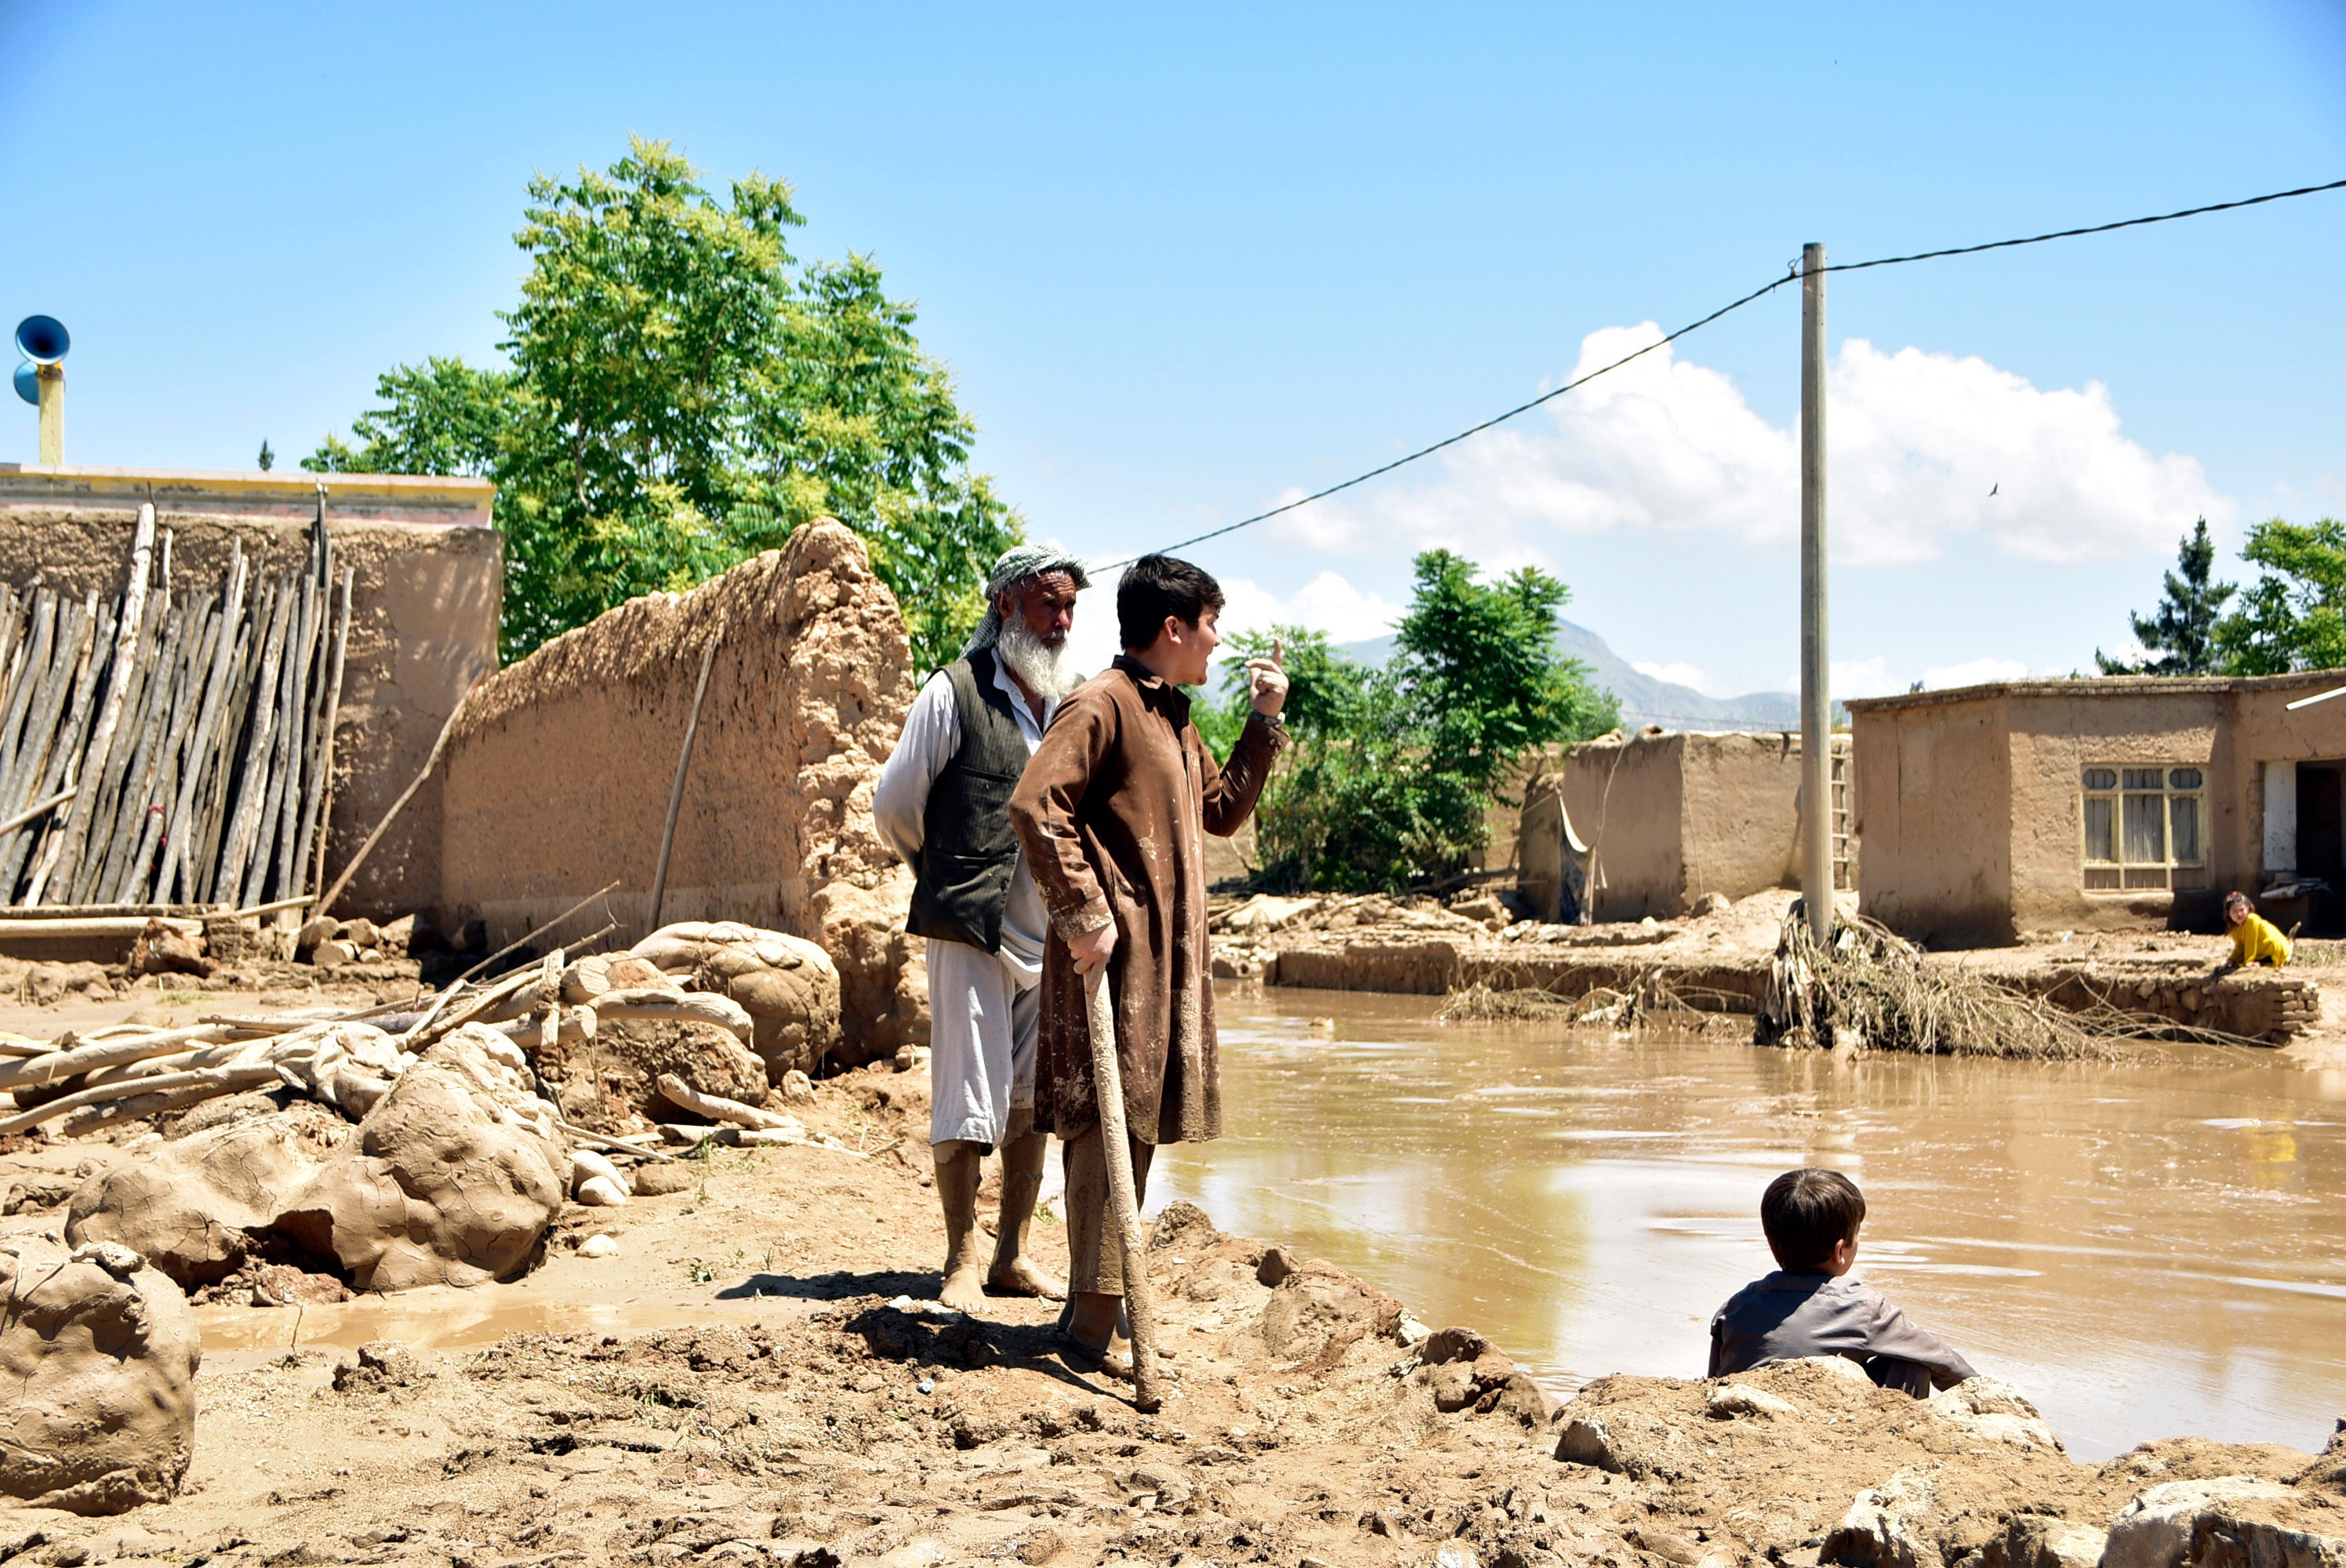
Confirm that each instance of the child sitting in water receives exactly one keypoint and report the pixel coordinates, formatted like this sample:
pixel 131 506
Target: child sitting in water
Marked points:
pixel 1809 1307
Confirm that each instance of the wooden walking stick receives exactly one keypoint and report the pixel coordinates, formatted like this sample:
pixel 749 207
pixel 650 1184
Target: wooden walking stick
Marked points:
pixel 1124 1198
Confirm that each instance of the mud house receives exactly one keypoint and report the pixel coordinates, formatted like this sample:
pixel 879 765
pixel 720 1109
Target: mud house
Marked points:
pixel 428 573
pixel 1991 812
pixel 1649 823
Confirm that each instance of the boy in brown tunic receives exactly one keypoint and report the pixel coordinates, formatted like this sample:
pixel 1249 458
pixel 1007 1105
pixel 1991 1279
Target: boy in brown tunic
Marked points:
pixel 1111 813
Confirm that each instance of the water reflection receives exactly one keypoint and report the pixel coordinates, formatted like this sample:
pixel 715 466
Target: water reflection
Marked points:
pixel 2148 1250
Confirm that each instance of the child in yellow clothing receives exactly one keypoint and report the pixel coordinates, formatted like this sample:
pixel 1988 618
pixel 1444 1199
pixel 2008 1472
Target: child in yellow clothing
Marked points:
pixel 2255 940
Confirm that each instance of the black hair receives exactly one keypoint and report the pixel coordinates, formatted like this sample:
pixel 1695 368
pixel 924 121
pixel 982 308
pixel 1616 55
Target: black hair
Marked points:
pixel 1156 587
pixel 1808 1212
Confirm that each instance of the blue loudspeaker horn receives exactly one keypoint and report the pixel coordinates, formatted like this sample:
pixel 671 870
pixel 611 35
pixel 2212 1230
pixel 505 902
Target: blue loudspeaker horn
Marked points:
pixel 28 384
pixel 43 339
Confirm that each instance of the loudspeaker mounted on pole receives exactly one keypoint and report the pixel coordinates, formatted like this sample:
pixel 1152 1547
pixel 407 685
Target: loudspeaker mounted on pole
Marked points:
pixel 44 341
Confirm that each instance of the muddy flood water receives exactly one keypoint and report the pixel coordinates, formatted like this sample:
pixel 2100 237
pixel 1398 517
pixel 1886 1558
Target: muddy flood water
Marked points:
pixel 2147 1249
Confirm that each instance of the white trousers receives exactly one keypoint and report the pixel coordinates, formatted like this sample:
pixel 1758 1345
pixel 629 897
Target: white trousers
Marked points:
pixel 984 1014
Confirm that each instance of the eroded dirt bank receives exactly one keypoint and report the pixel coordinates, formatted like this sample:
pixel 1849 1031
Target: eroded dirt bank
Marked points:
pixel 740 1380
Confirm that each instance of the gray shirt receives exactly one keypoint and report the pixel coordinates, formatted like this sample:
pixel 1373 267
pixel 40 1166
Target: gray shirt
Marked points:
pixel 900 801
pixel 1784 1317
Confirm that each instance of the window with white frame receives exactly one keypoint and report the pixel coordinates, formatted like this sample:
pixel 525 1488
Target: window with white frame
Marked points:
pixel 2145 828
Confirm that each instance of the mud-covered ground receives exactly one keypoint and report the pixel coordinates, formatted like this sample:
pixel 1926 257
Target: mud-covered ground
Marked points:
pixel 750 1375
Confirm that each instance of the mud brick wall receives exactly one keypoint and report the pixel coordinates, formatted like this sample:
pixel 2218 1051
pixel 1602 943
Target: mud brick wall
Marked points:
pixel 559 771
pixel 1434 968
pixel 2273 1006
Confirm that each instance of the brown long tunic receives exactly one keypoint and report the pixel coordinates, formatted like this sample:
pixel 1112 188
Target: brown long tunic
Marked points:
pixel 1109 812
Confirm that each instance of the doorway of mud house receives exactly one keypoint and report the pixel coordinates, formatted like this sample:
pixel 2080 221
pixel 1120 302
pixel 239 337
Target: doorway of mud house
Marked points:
pixel 2322 843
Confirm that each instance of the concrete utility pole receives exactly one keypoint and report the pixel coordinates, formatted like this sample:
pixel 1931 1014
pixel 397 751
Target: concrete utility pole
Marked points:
pixel 1816 685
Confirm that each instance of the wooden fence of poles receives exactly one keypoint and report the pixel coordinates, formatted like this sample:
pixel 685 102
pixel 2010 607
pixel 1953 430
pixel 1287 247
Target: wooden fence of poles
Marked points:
pixel 171 746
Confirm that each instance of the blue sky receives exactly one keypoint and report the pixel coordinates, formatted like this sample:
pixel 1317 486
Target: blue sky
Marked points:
pixel 1184 264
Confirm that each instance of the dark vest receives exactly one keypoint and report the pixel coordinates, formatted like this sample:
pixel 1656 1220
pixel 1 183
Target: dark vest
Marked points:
pixel 968 849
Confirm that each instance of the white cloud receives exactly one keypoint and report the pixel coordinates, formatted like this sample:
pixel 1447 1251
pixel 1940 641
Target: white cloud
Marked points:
pixel 1327 602
pixel 1685 675
pixel 1917 442
pixel 1860 678
pixel 1871 677
pixel 1973 672
pixel 1092 641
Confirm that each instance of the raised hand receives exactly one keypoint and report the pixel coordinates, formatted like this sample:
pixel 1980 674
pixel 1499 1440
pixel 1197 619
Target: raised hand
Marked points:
pixel 1267 682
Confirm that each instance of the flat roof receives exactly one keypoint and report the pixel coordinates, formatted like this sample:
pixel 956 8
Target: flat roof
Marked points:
pixel 2089 688
pixel 449 499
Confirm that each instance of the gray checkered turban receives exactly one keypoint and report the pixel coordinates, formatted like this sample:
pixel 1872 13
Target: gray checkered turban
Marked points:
pixel 1018 564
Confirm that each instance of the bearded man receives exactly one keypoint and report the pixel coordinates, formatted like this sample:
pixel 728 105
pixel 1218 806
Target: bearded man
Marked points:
pixel 1113 812
pixel 943 802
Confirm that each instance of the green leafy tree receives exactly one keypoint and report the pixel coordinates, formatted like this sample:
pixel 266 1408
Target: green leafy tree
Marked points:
pixel 682 394
pixel 440 417
pixel 1481 669
pixel 2181 632
pixel 2293 616
pixel 1393 770
pixel 1325 688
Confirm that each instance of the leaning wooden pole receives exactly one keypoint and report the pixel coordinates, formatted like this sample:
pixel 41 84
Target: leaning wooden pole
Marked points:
pixel 326 901
pixel 252 789
pixel 30 664
pixel 121 672
pixel 1815 672
pixel 318 813
pixel 178 827
pixel 675 790
pixel 27 778
pixel 64 753
pixel 1124 1193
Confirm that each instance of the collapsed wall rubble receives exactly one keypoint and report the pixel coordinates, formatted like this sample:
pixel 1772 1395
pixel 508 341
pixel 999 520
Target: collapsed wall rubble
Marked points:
pixel 558 773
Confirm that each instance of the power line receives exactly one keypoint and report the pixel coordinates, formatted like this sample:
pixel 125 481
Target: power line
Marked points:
pixel 2096 229
pixel 1791 275
pixel 1471 430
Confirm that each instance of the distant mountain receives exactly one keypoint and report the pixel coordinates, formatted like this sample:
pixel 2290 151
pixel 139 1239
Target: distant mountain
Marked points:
pixel 1643 700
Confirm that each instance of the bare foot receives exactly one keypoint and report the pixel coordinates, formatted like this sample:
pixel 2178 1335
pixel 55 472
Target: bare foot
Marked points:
pixel 1095 1321
pixel 1021 1277
pixel 963 1290
pixel 1113 1359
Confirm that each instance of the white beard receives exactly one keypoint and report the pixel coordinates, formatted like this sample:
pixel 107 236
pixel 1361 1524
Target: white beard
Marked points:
pixel 1041 669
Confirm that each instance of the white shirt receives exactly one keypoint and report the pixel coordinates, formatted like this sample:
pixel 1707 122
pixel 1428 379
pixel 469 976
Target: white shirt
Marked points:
pixel 900 801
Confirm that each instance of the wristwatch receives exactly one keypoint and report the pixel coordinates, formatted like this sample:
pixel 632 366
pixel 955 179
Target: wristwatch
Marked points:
pixel 1276 720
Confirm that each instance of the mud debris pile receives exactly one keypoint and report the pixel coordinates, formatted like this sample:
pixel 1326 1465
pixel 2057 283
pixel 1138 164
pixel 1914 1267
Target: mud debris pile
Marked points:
pixel 298 1160
pixel 99 1354
pixel 1807 1461
pixel 451 1177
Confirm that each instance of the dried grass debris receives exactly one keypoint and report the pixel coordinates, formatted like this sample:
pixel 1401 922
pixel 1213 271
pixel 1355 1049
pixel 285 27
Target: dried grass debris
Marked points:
pixel 1869 987
pixel 1484 1003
